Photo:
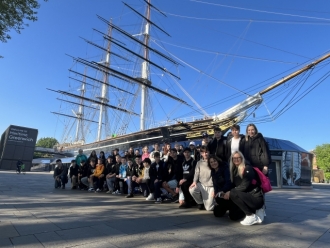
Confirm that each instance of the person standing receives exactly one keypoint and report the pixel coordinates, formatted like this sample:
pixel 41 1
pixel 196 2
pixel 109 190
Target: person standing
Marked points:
pixel 235 141
pixel 152 154
pixel 202 187
pixel 81 156
pixel 256 150
pixel 145 153
pixel 217 146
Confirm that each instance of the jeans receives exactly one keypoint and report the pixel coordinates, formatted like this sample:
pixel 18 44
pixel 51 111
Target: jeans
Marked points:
pixel 61 181
pixel 110 183
pixel 130 185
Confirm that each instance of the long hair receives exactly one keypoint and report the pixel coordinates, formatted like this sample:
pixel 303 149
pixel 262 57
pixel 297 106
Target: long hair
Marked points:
pixel 247 127
pixel 240 168
pixel 216 159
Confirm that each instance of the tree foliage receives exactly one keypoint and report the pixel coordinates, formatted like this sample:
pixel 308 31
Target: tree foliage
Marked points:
pixel 47 142
pixel 322 153
pixel 13 14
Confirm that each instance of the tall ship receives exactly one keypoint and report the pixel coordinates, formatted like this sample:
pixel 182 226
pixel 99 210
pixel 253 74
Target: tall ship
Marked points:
pixel 115 101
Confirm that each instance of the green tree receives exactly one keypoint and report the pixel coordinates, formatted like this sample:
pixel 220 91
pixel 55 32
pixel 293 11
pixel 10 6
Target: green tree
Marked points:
pixel 322 153
pixel 13 14
pixel 47 142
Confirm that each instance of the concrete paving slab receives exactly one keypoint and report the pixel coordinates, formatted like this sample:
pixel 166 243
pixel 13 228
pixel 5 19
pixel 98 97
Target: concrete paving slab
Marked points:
pixel 7 230
pixel 5 242
pixel 320 244
pixel 51 240
pixel 325 237
pixel 41 216
pixel 29 241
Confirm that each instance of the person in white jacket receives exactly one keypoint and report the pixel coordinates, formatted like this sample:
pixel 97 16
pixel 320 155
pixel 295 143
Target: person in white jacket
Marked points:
pixel 202 187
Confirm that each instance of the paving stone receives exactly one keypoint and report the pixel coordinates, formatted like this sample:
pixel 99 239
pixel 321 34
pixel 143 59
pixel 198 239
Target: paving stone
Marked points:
pixel 320 244
pixel 41 216
pixel 51 239
pixel 5 242
pixel 325 237
pixel 29 241
pixel 32 226
pixel 7 230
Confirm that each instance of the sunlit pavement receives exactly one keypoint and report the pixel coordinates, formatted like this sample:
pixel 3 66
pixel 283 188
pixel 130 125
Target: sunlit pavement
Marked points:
pixel 34 214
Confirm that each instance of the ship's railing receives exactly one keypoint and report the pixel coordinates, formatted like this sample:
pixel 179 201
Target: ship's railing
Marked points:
pixel 179 120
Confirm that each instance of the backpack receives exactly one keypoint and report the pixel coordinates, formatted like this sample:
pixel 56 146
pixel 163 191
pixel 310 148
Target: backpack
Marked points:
pixel 264 181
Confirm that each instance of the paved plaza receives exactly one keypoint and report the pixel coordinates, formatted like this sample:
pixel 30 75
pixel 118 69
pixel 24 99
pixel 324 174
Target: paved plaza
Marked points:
pixel 34 214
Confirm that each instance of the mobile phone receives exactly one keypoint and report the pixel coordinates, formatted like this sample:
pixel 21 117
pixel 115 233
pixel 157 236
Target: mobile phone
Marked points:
pixel 221 194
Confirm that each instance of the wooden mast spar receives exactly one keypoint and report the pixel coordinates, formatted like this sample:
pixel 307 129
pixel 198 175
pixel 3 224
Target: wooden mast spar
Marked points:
pixel 294 74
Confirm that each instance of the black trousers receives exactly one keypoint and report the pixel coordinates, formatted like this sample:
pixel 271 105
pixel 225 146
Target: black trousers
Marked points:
pixel 247 202
pixel 235 213
pixel 185 190
pixel 121 185
pixel 147 187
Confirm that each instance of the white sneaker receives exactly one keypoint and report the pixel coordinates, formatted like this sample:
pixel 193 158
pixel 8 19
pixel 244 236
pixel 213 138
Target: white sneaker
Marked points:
pixel 109 192
pixel 159 200
pixel 150 197
pixel 91 190
pixel 250 220
pixel 115 192
pixel 98 190
pixel 260 215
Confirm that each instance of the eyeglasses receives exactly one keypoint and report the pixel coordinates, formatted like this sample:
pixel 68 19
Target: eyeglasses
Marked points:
pixel 237 158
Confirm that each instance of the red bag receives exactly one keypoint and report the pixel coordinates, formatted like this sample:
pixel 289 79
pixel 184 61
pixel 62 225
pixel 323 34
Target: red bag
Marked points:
pixel 264 181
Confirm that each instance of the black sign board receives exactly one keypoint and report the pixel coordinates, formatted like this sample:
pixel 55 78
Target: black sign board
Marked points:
pixel 17 143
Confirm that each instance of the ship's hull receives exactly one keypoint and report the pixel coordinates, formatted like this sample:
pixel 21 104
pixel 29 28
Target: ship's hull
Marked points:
pixel 179 132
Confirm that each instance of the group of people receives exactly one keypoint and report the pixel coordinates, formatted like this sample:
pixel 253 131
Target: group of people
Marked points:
pixel 217 176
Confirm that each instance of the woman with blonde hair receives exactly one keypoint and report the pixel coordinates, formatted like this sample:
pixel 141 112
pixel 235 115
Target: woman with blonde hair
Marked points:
pixel 256 150
pixel 246 197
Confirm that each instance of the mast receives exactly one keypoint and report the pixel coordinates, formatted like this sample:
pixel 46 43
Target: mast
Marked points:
pixel 145 70
pixel 104 92
pixel 80 114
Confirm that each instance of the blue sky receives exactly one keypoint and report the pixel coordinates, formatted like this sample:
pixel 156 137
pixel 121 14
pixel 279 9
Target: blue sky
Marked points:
pixel 275 36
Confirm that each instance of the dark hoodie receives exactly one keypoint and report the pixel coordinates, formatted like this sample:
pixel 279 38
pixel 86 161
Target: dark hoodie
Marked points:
pixel 157 171
pixel 256 151
pixel 221 178
pixel 218 148
pixel 186 171
pixel 248 183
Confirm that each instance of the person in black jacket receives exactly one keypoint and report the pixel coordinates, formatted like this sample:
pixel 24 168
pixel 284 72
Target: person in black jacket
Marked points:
pixel 157 174
pixel 92 155
pixel 256 150
pixel 111 176
pixel 217 146
pixel 73 174
pixel 60 174
pixel 185 174
pixel 235 141
pixel 82 175
pixel 102 156
pixel 169 180
pixel 246 198
pixel 130 173
pixel 221 183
